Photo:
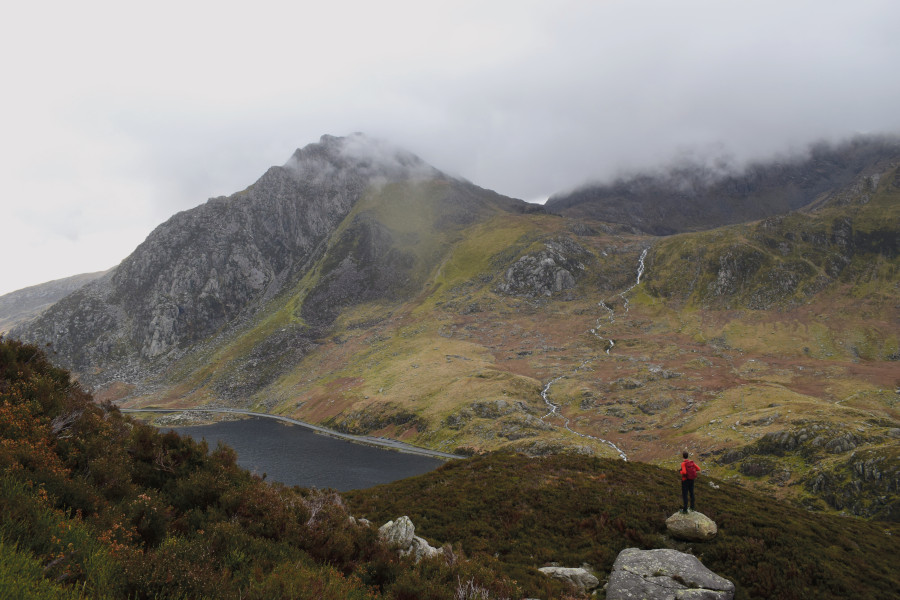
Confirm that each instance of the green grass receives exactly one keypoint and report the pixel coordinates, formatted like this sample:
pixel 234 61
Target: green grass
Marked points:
pixel 22 577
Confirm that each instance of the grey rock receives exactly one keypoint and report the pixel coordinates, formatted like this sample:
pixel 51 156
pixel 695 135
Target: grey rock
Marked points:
pixel 664 575
pixel 422 549
pixel 578 577
pixel 546 272
pixel 21 306
pixel 401 534
pixel 693 526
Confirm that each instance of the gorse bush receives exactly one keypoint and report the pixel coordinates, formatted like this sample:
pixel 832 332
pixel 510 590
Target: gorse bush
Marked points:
pixel 96 505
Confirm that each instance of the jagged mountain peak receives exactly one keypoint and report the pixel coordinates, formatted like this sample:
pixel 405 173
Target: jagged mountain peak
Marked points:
pixel 208 269
pixel 358 153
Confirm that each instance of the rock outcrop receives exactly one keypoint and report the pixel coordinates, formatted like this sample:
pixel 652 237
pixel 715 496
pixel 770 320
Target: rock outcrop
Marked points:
pixel 693 526
pixel 546 272
pixel 580 578
pixel 664 575
pixel 23 305
pixel 843 472
pixel 401 534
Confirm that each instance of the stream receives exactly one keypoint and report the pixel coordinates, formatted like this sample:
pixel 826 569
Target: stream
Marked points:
pixel 610 317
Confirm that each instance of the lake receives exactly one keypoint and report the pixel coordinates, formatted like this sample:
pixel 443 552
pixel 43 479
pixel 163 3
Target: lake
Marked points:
pixel 294 455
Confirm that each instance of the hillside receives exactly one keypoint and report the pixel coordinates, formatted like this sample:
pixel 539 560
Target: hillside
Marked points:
pixel 373 295
pixel 23 305
pixel 95 505
pixel 207 270
pixel 693 197
pixel 575 510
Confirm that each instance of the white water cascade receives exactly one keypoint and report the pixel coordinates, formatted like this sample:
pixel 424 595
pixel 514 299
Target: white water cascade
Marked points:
pixel 610 318
pixel 640 273
pixel 554 409
pixel 610 313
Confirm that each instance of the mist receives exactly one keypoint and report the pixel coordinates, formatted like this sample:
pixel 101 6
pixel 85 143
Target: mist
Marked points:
pixel 108 131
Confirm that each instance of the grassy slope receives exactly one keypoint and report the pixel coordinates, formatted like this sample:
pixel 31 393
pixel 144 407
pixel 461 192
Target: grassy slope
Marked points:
pixel 691 368
pixel 573 510
pixel 94 505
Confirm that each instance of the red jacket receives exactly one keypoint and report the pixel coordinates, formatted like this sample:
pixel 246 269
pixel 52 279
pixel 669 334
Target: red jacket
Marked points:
pixel 684 469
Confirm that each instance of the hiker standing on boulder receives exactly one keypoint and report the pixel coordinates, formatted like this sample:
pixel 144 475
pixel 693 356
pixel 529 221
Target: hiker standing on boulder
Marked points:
pixel 689 470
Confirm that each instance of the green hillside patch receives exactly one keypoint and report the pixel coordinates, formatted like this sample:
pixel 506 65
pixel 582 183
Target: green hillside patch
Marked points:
pixel 572 510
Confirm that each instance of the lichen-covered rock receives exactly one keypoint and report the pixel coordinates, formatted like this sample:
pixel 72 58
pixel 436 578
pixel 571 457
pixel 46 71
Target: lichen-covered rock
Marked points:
pixel 401 534
pixel 422 549
pixel 581 579
pixel 664 575
pixel 693 526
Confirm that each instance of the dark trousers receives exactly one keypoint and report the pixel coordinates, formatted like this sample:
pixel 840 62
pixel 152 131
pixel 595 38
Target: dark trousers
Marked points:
pixel 687 487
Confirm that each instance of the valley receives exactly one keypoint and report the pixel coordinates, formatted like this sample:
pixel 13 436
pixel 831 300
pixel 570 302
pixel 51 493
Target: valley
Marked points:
pixel 425 309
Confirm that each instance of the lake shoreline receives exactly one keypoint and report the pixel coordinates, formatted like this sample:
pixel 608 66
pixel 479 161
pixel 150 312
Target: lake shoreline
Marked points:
pixel 384 443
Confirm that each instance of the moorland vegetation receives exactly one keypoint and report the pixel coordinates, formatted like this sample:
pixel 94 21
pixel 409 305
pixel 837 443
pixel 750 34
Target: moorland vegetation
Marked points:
pixel 96 505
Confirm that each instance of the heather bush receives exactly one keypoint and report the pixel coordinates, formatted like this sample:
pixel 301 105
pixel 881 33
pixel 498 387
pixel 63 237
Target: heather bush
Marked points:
pixel 96 505
pixel 107 507
pixel 573 510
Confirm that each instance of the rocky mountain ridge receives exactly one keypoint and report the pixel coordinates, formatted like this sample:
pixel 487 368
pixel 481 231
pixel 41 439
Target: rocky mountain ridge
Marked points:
pixel 695 197
pixel 220 262
pixel 27 303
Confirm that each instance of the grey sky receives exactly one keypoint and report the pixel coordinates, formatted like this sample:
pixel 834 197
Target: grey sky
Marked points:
pixel 115 117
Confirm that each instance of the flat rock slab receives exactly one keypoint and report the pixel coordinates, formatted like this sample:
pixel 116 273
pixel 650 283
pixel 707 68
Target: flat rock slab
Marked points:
pixel 664 575
pixel 580 578
pixel 694 526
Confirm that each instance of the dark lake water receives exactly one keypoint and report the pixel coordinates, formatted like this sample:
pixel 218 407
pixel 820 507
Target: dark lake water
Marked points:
pixel 294 455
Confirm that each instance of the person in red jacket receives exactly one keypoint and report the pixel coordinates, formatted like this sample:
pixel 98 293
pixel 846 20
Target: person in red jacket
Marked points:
pixel 689 471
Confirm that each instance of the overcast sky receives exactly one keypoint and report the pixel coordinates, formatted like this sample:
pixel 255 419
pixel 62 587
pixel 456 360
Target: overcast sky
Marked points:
pixel 115 115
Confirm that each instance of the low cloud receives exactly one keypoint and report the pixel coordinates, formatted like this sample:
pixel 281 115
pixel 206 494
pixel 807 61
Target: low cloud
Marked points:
pixel 526 98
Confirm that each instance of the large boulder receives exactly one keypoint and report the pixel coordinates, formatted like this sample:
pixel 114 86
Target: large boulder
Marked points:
pixel 401 534
pixel 580 578
pixel 693 526
pixel 664 575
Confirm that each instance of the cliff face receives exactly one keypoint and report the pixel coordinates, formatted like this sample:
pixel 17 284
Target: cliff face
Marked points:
pixel 207 269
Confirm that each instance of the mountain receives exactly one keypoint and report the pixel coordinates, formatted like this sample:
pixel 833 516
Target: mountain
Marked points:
pixel 206 269
pixel 358 288
pixel 694 197
pixel 25 304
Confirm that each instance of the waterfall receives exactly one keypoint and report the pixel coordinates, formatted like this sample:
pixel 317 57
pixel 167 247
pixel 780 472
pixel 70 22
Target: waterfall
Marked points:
pixel 554 409
pixel 611 318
